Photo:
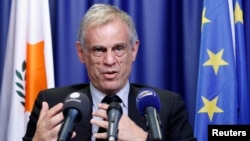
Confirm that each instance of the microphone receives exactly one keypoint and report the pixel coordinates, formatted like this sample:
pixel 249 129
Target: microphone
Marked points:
pixel 75 107
pixel 114 113
pixel 148 104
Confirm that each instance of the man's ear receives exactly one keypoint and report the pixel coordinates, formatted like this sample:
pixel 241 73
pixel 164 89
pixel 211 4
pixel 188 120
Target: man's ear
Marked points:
pixel 80 51
pixel 135 49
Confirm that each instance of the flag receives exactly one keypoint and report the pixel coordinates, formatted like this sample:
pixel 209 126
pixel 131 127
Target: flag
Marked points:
pixel 241 65
pixel 28 66
pixel 220 92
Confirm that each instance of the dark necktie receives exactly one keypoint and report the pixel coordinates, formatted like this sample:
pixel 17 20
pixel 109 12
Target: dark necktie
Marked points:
pixel 108 100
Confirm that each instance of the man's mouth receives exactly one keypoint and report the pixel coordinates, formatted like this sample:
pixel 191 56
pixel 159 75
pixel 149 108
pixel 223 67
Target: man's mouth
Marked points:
pixel 109 74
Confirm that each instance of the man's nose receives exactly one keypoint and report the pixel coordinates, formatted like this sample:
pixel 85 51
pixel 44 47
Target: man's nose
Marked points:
pixel 109 57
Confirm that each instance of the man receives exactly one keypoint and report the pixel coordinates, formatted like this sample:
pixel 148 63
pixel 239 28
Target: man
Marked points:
pixel 107 45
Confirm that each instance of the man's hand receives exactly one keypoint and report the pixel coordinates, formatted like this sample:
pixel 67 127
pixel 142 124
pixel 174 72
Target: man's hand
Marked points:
pixel 128 130
pixel 49 123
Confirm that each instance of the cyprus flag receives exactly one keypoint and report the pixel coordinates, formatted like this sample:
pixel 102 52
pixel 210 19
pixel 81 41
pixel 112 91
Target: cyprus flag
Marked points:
pixel 28 65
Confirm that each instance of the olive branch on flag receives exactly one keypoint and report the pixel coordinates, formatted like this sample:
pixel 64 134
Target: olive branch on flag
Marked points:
pixel 21 76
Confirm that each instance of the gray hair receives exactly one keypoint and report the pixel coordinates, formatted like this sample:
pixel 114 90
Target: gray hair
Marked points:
pixel 100 14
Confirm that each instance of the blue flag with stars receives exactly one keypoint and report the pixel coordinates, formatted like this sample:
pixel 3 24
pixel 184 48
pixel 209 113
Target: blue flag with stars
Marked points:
pixel 221 92
pixel 241 68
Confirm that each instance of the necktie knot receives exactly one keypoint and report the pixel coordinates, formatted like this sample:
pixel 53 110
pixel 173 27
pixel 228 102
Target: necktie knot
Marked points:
pixel 112 98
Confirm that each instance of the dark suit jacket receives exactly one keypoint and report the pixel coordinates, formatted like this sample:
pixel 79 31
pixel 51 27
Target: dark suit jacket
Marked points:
pixel 173 115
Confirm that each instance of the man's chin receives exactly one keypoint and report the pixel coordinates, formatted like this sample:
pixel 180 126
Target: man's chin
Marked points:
pixel 111 87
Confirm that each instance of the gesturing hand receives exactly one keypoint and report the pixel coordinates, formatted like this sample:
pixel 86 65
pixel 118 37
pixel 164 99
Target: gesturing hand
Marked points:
pixel 49 123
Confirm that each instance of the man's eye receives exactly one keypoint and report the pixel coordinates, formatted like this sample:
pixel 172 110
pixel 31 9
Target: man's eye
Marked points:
pixel 98 50
pixel 119 48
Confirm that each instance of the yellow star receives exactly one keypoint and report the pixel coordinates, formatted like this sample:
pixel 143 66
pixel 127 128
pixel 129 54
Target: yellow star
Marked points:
pixel 204 18
pixel 238 14
pixel 210 107
pixel 215 60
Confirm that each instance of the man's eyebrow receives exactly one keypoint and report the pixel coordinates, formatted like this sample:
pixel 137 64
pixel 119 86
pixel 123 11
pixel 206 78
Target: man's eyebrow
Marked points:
pixel 97 46
pixel 115 45
pixel 120 44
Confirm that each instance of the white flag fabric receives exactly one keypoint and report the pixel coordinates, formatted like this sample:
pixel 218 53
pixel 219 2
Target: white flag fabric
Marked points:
pixel 28 66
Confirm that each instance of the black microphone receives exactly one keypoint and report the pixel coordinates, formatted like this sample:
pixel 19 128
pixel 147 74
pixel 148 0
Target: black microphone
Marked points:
pixel 75 107
pixel 148 104
pixel 114 113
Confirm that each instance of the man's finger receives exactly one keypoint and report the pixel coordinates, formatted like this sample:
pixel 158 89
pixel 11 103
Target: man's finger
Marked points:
pixel 45 108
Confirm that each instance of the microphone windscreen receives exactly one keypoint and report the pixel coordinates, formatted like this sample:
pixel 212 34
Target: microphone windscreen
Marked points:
pixel 147 98
pixel 78 101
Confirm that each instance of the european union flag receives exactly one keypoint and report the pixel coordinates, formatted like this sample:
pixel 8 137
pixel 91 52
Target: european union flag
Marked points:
pixel 241 68
pixel 221 92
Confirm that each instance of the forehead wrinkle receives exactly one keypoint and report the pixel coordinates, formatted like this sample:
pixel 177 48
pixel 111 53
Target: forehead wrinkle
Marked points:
pixel 95 35
pixel 112 46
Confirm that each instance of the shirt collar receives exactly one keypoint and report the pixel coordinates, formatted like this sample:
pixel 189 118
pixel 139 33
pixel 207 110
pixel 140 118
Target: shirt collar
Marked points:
pixel 97 95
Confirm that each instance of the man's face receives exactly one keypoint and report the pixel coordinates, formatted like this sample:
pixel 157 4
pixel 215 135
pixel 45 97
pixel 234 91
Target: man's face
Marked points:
pixel 109 55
